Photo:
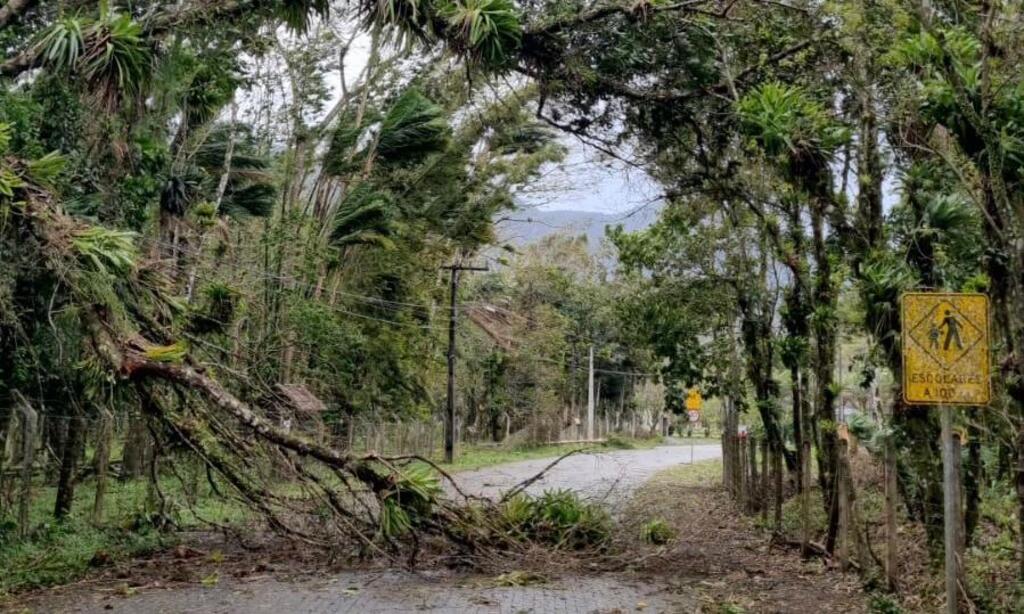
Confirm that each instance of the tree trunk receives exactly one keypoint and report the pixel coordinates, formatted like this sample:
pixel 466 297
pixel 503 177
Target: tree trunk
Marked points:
pixel 891 539
pixel 824 326
pixel 1020 499
pixel 136 446
pixel 101 462
pixel 972 486
pixel 755 485
pixel 765 478
pixel 29 428
pixel 74 441
pixel 843 504
pixel 777 469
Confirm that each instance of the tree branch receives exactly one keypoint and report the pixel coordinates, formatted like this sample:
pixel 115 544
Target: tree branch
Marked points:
pixel 14 9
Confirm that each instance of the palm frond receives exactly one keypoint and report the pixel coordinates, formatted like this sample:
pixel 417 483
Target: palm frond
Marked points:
pixel 297 13
pixel 110 54
pixel 404 20
pixel 105 250
pixel 61 44
pixel 253 200
pixel 527 139
pixel 364 217
pixel 949 213
pixel 784 119
pixel 412 128
pixel 341 157
pixel 487 32
pixel 5 137
pixel 44 171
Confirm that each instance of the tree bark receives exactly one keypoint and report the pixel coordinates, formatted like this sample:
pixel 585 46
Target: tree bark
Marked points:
pixel 74 442
pixel 101 461
pixel 14 9
pixel 29 426
pixel 136 446
pixel 972 486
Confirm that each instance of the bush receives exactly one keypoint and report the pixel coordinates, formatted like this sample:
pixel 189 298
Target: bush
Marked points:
pixel 558 518
pixel 618 443
pixel 883 604
pixel 657 533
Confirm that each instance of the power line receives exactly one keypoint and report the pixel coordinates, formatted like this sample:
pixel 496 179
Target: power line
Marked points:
pixel 396 306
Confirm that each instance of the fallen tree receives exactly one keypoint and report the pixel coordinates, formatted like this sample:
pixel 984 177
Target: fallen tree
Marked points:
pixel 377 503
pixel 363 504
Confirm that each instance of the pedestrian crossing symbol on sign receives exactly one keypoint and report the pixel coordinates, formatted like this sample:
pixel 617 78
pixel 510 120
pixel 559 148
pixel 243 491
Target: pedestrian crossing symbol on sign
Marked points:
pixel 945 349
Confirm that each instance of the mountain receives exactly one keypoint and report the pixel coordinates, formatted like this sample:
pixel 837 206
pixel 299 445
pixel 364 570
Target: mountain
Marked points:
pixel 524 227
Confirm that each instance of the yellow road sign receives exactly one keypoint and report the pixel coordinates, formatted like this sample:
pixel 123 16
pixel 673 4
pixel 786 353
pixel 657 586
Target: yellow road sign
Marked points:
pixel 945 349
pixel 693 400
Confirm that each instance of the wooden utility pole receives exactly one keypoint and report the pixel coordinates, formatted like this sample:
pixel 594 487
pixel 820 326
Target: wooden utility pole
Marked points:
pixel 891 542
pixel 590 398
pixel 449 421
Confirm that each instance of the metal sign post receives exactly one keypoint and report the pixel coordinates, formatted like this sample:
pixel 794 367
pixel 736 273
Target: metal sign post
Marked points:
pixel 945 363
pixel 694 402
pixel 951 509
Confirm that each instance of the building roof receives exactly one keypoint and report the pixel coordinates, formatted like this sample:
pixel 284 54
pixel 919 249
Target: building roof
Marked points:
pixel 299 398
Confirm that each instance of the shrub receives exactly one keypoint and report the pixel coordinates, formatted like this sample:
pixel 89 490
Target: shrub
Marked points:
pixel 558 518
pixel 618 443
pixel 657 533
pixel 883 604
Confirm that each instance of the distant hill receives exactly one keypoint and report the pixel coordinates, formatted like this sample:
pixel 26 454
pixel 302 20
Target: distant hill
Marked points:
pixel 525 227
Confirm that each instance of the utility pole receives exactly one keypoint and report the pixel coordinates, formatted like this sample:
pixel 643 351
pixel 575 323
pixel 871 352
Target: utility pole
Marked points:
pixel 449 420
pixel 590 398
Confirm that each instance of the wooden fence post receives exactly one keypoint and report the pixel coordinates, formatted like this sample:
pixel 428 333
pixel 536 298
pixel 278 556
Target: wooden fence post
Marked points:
pixel 752 492
pixel 843 496
pixel 805 502
pixel 741 467
pixel 101 459
pixel 28 446
pixel 891 543
pixel 777 461
pixel 765 477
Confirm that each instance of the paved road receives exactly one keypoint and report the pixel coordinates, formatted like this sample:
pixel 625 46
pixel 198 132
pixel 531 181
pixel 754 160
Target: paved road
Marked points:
pixel 609 477
pixel 385 592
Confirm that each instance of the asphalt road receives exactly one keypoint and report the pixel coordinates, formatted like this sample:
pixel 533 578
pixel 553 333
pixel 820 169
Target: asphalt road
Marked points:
pixel 609 477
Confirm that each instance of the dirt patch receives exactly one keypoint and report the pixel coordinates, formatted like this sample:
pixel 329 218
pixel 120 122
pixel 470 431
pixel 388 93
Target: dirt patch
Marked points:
pixel 721 557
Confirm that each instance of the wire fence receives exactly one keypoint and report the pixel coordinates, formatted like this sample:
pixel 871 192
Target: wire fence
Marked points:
pixel 125 470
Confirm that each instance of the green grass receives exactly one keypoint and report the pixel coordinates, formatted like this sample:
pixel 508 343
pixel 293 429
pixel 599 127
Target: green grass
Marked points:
pixel 700 473
pixel 697 441
pixel 469 458
pixel 57 553
pixel 60 552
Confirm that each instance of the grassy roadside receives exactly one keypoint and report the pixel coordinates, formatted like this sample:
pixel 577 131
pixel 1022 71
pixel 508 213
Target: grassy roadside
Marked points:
pixel 58 553
pixel 471 458
pixel 61 552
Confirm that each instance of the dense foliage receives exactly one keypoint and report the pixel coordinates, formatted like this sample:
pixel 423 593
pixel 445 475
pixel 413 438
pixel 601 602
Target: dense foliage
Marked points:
pixel 193 214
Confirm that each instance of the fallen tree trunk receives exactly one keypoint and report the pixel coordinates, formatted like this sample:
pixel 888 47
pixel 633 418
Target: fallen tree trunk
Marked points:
pixel 380 503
